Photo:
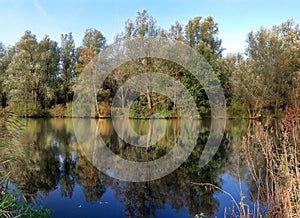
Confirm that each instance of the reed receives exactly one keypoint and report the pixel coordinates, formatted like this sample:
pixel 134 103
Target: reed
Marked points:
pixel 278 180
pixel 13 204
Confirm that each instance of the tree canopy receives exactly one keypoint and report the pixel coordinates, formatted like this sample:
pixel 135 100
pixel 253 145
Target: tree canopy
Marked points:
pixel 37 76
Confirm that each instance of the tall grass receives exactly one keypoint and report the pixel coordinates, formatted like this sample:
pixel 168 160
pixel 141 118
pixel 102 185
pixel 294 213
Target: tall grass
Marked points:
pixel 277 180
pixel 11 203
pixel 273 157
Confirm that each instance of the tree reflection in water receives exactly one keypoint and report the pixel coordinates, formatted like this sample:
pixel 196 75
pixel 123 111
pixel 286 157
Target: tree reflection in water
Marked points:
pixel 50 159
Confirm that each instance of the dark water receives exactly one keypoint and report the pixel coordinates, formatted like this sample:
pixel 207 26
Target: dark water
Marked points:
pixel 52 169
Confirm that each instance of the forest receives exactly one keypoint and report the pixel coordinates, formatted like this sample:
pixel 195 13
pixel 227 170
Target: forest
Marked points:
pixel 37 78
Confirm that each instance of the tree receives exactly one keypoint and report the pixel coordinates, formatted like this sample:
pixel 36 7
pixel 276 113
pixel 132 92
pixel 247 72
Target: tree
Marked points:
pixel 176 32
pixel 205 32
pixel 93 40
pixel 192 31
pixel 48 60
pixel 68 61
pixel 143 26
pixel 202 36
pixel 3 66
pixel 93 43
pixel 273 56
pixel 23 80
pixel 32 73
pixel 209 32
pixel 249 88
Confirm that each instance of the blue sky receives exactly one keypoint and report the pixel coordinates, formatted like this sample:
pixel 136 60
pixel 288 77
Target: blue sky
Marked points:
pixel 236 18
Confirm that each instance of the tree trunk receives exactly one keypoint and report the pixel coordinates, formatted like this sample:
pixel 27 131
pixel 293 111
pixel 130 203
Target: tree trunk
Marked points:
pixel 95 96
pixel 149 101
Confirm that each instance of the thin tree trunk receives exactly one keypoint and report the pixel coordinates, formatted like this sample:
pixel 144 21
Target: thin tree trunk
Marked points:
pixel 149 101
pixel 95 96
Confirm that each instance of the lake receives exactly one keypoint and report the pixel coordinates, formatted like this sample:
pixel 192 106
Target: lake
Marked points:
pixel 50 168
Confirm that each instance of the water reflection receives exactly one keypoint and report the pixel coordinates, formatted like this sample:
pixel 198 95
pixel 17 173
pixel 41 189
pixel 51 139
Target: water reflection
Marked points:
pixel 50 160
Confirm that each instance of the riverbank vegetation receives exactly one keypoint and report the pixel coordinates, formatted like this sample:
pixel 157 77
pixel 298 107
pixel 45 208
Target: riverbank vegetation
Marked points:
pixel 12 202
pixel 277 178
pixel 37 78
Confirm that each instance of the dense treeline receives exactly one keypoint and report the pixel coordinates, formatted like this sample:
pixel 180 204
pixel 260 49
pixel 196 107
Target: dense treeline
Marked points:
pixel 268 78
pixel 38 77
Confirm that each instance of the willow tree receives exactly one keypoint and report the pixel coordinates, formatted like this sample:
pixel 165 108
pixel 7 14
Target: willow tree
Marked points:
pixel 23 79
pixel 32 73
pixel 272 59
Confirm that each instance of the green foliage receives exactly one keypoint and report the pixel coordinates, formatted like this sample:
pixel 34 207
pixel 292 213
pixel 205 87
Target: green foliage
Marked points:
pixel 38 75
pixel 42 75
pixel 93 40
pixel 264 80
pixel 31 75
pixel 237 109
pixel 60 111
pixel 67 71
pixel 10 129
pixel 10 206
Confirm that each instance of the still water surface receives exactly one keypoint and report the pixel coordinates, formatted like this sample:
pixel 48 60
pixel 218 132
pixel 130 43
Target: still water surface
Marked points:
pixel 56 172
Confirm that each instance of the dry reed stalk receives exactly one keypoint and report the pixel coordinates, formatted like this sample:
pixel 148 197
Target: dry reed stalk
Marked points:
pixel 280 187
